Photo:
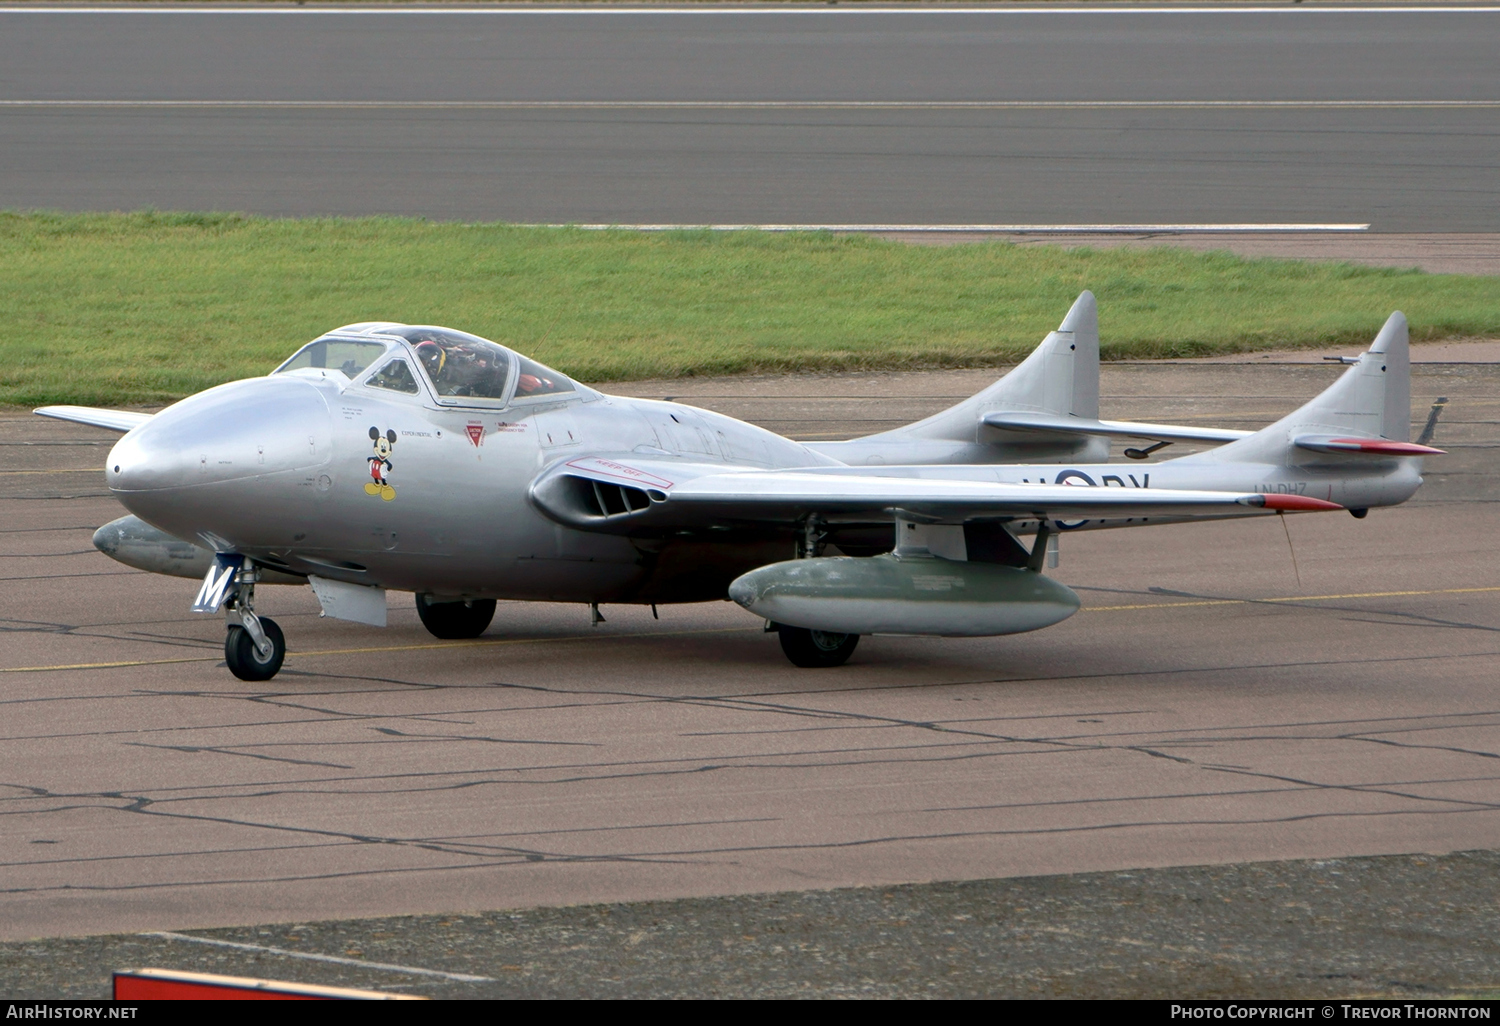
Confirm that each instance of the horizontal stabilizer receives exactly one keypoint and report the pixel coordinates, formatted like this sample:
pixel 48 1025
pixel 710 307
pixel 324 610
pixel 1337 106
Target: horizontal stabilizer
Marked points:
pixel 1052 424
pixel 114 420
pixel 1364 446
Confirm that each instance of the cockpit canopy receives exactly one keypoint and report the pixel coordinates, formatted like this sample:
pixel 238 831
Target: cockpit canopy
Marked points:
pixel 459 369
pixel 347 356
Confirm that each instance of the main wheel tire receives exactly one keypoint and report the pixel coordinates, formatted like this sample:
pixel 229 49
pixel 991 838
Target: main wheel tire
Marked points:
pixel 451 620
pixel 244 661
pixel 813 649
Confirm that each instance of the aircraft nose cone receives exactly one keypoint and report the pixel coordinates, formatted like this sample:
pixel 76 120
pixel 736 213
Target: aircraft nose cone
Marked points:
pixel 254 437
pixel 144 461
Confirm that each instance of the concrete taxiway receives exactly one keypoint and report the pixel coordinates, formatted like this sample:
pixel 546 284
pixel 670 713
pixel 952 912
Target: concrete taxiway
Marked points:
pixel 1309 688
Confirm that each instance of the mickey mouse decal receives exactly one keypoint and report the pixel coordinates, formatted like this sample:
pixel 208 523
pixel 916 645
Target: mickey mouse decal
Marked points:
pixel 380 464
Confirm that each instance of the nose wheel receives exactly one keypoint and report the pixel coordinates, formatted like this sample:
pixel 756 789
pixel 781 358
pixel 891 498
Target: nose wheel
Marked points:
pixel 254 646
pixel 249 660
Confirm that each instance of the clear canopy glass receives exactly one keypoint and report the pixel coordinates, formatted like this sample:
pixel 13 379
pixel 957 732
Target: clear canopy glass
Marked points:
pixel 395 376
pixel 534 379
pixel 458 366
pixel 346 356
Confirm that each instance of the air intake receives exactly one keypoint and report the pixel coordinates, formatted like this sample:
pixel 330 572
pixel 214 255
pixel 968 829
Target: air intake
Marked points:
pixel 611 500
pixel 591 505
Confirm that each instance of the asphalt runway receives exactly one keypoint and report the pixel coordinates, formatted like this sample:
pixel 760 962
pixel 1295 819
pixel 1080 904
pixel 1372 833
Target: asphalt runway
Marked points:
pixel 1214 702
pixel 825 115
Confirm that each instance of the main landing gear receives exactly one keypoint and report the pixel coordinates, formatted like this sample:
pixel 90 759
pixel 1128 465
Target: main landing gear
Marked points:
pixel 813 649
pixel 254 646
pixel 807 648
pixel 451 620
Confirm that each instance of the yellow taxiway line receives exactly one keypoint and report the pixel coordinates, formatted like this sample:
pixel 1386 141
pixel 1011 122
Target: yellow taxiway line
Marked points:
pixel 494 642
pixel 80 470
pixel 477 643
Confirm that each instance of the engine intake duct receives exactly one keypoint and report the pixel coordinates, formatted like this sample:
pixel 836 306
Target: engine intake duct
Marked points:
pixel 586 502
pixel 612 500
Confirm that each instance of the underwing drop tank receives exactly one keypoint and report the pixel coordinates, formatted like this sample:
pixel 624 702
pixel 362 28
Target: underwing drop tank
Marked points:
pixel 891 594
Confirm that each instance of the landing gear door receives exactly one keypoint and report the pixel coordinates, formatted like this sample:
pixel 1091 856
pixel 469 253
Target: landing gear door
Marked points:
pixel 220 584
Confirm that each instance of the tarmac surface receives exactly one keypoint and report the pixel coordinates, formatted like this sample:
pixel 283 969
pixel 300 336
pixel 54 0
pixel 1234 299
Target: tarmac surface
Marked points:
pixel 818 114
pixel 1216 702
pixel 1406 927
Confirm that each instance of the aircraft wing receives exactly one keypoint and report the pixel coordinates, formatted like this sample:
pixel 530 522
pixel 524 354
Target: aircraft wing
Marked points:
pixel 1021 423
pixel 114 420
pixel 629 496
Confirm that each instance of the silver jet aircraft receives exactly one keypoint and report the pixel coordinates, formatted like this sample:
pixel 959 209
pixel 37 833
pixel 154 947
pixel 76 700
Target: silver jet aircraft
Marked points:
pixel 423 459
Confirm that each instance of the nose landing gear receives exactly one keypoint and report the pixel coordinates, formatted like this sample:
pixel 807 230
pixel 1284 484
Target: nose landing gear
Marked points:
pixel 243 652
pixel 254 646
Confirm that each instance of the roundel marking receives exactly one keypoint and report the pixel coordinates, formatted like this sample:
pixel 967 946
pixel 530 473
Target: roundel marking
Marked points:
pixel 1069 477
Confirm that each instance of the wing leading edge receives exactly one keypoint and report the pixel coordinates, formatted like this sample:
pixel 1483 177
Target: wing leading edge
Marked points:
pixel 596 494
pixel 114 420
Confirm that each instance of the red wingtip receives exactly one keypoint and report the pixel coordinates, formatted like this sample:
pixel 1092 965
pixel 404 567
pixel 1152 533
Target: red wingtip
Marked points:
pixel 1298 503
pixel 1381 447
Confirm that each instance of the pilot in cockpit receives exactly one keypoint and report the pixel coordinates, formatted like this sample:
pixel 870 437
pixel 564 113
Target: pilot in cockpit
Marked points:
pixel 435 360
pixel 464 370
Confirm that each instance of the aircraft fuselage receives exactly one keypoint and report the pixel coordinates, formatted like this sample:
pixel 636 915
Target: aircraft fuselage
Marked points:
pixel 295 472
pixel 317 477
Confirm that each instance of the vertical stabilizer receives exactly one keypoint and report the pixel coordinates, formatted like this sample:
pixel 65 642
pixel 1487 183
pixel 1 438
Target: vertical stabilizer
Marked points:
pixel 1394 345
pixel 1061 375
pixel 1060 378
pixel 1371 400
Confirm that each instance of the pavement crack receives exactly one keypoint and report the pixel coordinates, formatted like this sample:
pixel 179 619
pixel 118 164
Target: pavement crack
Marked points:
pixel 392 732
pixel 214 750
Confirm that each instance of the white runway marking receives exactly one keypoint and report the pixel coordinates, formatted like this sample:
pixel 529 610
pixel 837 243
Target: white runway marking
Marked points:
pixel 380 966
pixel 825 11
pixel 998 228
pixel 772 104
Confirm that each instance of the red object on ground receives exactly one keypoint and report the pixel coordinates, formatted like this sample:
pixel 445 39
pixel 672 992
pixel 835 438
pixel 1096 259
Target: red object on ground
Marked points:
pixel 171 985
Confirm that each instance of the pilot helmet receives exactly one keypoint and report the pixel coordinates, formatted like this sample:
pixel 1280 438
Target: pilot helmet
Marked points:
pixel 432 356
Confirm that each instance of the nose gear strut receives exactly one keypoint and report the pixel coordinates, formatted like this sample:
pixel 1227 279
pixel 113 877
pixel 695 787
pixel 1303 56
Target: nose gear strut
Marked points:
pixel 254 646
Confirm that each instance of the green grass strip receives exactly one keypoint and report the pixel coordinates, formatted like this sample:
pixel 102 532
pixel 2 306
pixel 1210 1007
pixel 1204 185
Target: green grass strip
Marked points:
pixel 146 307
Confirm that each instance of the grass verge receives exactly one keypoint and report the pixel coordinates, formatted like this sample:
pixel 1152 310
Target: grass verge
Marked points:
pixel 122 308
